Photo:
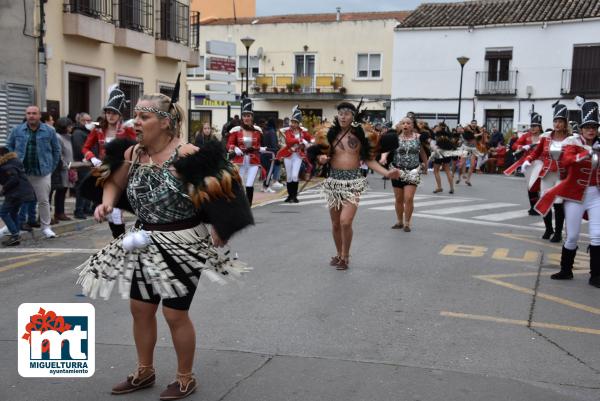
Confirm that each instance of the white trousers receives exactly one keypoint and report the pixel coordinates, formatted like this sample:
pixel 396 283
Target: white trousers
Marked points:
pixel 574 214
pixel 547 182
pixel 292 167
pixel 248 172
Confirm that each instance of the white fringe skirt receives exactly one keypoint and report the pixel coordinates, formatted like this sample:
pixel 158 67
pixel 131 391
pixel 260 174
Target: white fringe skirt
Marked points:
pixel 191 249
pixel 343 186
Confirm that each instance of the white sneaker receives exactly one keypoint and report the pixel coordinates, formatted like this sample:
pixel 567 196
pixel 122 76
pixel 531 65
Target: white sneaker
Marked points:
pixel 277 185
pixel 4 231
pixel 48 233
pixel 271 191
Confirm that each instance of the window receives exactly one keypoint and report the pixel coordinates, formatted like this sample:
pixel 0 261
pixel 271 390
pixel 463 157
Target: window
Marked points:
pixel 585 78
pixel 369 66
pixel 166 89
pixel 137 15
pixel 133 90
pixel 174 21
pixel 198 72
pixel 254 62
pixel 498 64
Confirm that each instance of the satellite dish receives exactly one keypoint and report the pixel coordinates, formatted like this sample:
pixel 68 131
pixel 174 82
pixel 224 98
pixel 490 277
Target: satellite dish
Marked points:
pixel 259 52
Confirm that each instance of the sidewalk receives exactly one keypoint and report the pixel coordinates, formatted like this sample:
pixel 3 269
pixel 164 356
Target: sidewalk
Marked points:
pixel 74 225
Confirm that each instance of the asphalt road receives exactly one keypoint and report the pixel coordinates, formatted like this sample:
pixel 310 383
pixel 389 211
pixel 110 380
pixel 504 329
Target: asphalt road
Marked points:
pixel 461 308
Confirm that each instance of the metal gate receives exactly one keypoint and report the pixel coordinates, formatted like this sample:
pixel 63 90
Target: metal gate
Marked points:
pixel 14 99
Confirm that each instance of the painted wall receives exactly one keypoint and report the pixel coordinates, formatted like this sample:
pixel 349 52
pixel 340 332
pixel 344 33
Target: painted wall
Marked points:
pixel 426 73
pixel 72 53
pixel 335 45
pixel 19 62
pixel 224 8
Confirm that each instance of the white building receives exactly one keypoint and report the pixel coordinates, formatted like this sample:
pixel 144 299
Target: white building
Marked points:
pixel 523 55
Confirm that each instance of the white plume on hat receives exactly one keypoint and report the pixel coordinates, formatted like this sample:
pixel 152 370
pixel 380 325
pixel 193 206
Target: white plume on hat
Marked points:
pixel 579 101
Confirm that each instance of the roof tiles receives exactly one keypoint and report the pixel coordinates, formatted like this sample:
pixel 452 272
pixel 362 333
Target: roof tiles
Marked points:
pixel 492 12
pixel 309 18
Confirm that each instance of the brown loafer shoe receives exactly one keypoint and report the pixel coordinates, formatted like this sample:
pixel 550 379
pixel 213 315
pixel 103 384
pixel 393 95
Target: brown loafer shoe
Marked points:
pixel 134 384
pixel 407 229
pixel 334 261
pixel 62 217
pixel 176 391
pixel 397 226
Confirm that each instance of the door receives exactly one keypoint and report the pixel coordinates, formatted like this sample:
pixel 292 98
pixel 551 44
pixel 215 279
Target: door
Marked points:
pixel 585 78
pixel 501 120
pixel 305 71
pixel 79 93
pixel 197 119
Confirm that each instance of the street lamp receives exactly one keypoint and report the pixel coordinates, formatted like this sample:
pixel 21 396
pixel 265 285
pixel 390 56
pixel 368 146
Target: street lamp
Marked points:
pixel 247 41
pixel 242 72
pixel 462 61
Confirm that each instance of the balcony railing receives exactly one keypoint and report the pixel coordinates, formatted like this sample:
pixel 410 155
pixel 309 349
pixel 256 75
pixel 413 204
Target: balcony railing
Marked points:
pixel 290 83
pixel 174 22
pixel 582 81
pixel 137 15
pixel 501 83
pixel 98 9
pixel 195 30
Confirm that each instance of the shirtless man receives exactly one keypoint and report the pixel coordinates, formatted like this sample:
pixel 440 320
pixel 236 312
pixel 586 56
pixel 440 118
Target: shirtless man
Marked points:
pixel 346 145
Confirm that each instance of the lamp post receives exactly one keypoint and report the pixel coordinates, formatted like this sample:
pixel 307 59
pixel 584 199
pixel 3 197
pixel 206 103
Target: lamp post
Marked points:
pixel 242 72
pixel 462 61
pixel 247 41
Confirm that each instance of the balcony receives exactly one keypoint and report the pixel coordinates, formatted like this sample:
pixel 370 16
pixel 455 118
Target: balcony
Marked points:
pixel 173 38
pixel 194 42
pixel 90 19
pixel 299 87
pixel 581 82
pixel 500 83
pixel 135 25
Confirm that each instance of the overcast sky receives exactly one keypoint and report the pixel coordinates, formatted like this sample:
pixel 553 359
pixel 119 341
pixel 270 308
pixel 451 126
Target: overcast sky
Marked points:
pixel 276 7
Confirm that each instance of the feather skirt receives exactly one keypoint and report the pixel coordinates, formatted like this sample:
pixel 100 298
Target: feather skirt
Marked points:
pixel 190 249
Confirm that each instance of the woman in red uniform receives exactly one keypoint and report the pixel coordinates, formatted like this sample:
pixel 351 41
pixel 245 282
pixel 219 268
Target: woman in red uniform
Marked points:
pixel 245 141
pixel 110 128
pixel 581 192
pixel 297 139
pixel 524 146
pixel 548 151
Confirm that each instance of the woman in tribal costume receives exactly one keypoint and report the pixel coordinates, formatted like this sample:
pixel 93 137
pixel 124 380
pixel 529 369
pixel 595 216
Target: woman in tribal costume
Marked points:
pixel 174 189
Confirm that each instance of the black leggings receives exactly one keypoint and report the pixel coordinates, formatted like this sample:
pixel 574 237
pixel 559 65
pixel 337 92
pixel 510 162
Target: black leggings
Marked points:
pixel 179 303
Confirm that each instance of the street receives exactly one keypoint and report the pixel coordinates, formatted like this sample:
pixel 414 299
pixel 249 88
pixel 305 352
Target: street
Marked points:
pixel 461 308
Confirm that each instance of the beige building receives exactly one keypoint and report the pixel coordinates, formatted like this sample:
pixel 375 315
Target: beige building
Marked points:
pixel 313 60
pixel 139 44
pixel 210 9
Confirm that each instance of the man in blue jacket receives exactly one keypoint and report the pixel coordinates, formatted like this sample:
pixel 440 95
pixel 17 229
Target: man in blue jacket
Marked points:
pixel 37 146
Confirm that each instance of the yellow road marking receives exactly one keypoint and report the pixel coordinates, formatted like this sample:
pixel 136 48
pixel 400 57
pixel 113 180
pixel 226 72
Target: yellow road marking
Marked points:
pixel 524 323
pixel 541 295
pixel 527 274
pixel 471 251
pixel 528 257
pixel 27 262
pixel 527 238
pixel 31 255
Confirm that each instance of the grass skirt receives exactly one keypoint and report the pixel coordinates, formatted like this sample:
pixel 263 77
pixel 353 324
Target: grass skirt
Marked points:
pixel 191 249
pixel 343 186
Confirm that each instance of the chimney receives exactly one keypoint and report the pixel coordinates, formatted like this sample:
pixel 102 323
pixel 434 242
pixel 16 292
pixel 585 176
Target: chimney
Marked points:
pixel 338 13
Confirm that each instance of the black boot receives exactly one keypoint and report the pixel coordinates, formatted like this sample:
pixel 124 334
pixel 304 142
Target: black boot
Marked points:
pixel 533 198
pixel 116 229
pixel 548 223
pixel 290 191
pixel 595 265
pixel 559 219
pixel 295 192
pixel 250 194
pixel 567 258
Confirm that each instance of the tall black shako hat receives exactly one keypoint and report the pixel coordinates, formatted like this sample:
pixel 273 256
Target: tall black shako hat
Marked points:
pixel 536 119
pixel 116 100
pixel 296 114
pixel 560 111
pixel 246 106
pixel 589 113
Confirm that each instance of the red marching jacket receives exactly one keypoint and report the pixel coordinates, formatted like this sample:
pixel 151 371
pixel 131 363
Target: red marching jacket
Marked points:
pixel 293 142
pixel 98 137
pixel 236 139
pixel 542 152
pixel 525 139
pixel 575 158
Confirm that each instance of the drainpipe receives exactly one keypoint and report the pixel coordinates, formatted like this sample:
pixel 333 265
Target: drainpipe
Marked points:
pixel 42 59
